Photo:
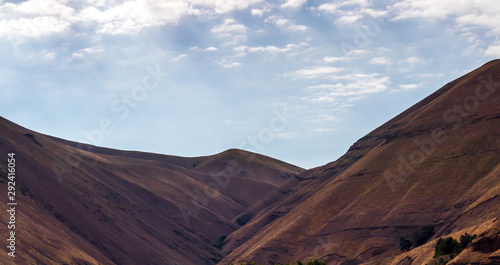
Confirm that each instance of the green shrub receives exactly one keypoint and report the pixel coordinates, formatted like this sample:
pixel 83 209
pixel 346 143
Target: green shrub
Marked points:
pixel 466 239
pixel 220 242
pixel 311 261
pixel 315 261
pixel 442 261
pixel 421 236
pixel 404 244
pixel 447 246
pixel 242 220
pixel 452 247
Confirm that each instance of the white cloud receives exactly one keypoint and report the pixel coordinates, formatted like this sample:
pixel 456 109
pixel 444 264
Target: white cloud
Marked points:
pixel 348 18
pixel 489 20
pixel 211 49
pixel 442 9
pixel 297 28
pixel 351 11
pixel 321 130
pixel 467 15
pixel 327 59
pixel 323 117
pixel 77 55
pixel 354 2
pixel 230 65
pixel 81 53
pixel 32 27
pixel 270 49
pixel 132 16
pixel 353 89
pixel 282 21
pixel 334 6
pixel 329 7
pixel 353 76
pixel 286 23
pixel 240 48
pixel 225 63
pixel 231 30
pixel 351 55
pixel 228 27
pixel 293 3
pixel 257 12
pixel 37 8
pixel 408 86
pixel 314 72
pixel 428 75
pixel 34 18
pixel 375 13
pixel 493 50
pixel 380 60
pixel 49 55
pixel 261 10
pixel 92 49
pixel 223 6
pixel 179 57
pixel 358 52
pixel 412 60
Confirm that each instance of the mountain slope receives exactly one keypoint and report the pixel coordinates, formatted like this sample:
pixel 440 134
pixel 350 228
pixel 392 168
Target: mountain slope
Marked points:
pixel 436 164
pixel 81 204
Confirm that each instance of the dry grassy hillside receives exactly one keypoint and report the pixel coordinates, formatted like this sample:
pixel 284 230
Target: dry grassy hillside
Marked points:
pixel 436 164
pixel 81 204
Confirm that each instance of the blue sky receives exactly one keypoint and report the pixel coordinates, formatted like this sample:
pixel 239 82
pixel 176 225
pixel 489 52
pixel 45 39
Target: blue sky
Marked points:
pixel 293 79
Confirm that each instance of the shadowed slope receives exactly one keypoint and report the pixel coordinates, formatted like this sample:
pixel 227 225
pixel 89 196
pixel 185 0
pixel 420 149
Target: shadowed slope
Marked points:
pixel 81 203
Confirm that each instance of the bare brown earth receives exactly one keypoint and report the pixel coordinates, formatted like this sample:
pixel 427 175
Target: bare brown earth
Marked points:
pixel 81 204
pixel 436 164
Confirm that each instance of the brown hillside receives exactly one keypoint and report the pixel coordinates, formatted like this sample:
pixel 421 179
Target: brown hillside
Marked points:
pixel 436 164
pixel 81 204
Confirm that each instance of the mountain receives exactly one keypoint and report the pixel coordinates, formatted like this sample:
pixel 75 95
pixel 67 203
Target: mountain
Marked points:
pixel 437 164
pixel 82 204
pixel 434 167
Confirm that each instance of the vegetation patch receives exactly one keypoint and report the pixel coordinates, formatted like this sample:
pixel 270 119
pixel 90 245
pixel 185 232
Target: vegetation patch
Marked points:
pixel 418 238
pixel 242 220
pixel 450 246
pixel 423 235
pixel 220 242
pixel 405 244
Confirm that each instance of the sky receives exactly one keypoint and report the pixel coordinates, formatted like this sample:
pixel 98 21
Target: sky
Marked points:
pixel 297 80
